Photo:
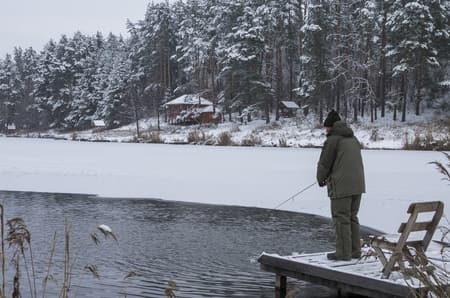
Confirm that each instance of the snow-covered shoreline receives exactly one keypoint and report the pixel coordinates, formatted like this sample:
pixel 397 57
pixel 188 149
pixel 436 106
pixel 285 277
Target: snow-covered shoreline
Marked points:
pixel 257 177
pixel 301 132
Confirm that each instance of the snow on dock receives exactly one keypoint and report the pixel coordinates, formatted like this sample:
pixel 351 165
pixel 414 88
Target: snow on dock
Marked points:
pixel 362 277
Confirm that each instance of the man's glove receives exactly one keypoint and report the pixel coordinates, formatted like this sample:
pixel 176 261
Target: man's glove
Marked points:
pixel 323 183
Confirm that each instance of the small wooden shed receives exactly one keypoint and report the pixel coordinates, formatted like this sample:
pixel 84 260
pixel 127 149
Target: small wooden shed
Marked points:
pixel 10 128
pixel 98 125
pixel 288 108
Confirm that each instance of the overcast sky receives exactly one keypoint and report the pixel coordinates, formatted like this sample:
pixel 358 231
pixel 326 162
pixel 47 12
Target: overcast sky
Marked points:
pixel 33 22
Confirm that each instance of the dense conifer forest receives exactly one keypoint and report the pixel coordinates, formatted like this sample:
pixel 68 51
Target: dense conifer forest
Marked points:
pixel 364 58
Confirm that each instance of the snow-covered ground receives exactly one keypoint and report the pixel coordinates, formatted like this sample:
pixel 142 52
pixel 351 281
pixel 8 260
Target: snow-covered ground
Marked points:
pixel 294 132
pixel 260 177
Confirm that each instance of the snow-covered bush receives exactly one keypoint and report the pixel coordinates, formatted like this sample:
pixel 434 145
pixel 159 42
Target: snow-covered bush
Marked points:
pixel 282 142
pixel 196 137
pixel 374 135
pixel 224 139
pixel 153 137
pixel 251 140
pixel 424 140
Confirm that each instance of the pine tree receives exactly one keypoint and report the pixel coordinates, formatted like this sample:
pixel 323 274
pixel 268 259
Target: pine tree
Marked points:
pixel 9 86
pixel 116 107
pixel 84 96
pixel 364 57
pixel 245 55
pixel 412 27
pixel 243 60
pixel 315 59
pixel 26 65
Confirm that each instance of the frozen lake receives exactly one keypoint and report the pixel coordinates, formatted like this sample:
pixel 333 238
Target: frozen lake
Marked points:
pixel 147 194
pixel 254 177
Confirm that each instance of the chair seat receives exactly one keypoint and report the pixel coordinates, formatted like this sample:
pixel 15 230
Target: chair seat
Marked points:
pixel 391 241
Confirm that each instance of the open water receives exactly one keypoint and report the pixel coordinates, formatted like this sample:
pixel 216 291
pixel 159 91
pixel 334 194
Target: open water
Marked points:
pixel 207 250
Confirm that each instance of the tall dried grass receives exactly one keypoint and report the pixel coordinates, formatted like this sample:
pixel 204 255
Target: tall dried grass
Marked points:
pixel 431 275
pixel 19 239
pixel 425 141
pixel 224 139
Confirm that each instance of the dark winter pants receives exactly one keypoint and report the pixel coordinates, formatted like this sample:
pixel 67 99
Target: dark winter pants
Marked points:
pixel 345 219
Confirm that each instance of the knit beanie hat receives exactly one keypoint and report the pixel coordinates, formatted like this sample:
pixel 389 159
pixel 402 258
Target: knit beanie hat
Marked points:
pixel 332 117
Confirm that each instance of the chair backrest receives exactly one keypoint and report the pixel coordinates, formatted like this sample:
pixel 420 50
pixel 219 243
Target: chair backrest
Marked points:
pixel 413 226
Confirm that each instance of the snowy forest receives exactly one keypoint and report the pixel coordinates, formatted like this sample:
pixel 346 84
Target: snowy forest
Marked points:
pixel 360 57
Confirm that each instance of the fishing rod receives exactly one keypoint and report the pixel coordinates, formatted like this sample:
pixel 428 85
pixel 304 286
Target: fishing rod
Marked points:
pixel 295 195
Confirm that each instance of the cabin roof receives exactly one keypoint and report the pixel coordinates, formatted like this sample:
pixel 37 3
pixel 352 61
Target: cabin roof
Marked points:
pixel 290 104
pixel 99 123
pixel 189 99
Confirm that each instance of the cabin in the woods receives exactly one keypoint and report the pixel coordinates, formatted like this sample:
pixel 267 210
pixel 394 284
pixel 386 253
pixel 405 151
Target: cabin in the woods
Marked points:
pixel 191 109
pixel 288 108
pixel 98 125
pixel 10 128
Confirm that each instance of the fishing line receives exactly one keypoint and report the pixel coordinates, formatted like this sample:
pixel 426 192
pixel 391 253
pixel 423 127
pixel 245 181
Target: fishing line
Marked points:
pixel 295 195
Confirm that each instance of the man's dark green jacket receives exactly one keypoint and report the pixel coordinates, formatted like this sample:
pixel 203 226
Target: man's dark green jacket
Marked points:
pixel 340 163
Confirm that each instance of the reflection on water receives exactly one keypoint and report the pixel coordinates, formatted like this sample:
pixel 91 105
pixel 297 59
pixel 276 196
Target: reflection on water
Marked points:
pixel 209 251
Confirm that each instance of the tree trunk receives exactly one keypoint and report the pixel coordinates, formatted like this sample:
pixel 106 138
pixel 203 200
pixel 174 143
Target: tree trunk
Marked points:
pixel 269 69
pixel 338 53
pixel 363 106
pixel 269 65
pixel 197 68
pixel 395 113
pixel 301 23
pixel 169 76
pixel 231 96
pixel 375 111
pixel 345 106
pixel 300 37
pixel 320 111
pixel 136 117
pixel 418 89
pixel 213 85
pixel 404 95
pixel 279 81
pixel 338 98
pixel 382 78
pixel 371 111
pixel 290 54
pixel 159 123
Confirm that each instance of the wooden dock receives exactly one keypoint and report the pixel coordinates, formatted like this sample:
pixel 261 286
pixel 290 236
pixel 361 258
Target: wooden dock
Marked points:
pixel 362 277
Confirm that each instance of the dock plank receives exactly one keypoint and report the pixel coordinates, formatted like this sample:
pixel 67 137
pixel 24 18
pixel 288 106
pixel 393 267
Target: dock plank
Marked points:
pixel 361 277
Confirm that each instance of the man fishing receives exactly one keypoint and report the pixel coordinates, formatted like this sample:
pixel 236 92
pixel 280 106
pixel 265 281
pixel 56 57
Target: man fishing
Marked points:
pixel 341 169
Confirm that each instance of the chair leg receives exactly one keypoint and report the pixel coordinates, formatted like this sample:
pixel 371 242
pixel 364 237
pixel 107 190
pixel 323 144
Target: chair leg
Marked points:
pixel 390 264
pixel 381 255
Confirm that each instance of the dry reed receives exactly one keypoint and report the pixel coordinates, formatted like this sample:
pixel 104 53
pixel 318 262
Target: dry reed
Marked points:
pixel 19 239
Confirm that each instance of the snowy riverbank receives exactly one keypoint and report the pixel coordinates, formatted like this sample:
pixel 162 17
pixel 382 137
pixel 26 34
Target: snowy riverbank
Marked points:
pixel 260 177
pixel 288 132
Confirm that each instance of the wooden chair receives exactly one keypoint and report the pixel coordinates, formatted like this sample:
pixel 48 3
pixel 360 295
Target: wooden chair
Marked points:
pixel 399 247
